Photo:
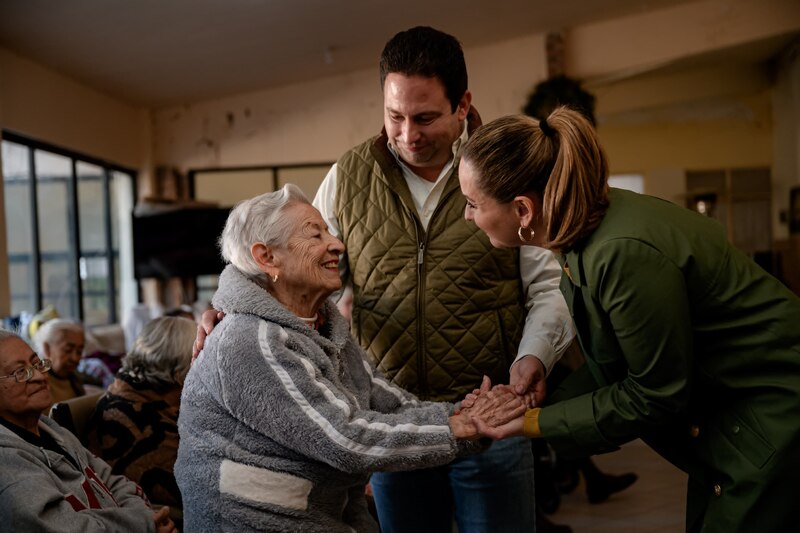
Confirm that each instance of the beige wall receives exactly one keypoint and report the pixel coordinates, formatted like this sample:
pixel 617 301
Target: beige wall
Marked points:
pixel 319 120
pixel 636 43
pixel 786 148
pixel 43 104
pixel 660 117
pixel 663 142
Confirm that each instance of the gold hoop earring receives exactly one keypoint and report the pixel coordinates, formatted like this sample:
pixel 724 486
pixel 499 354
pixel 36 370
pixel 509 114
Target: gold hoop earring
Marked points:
pixel 522 238
pixel 275 278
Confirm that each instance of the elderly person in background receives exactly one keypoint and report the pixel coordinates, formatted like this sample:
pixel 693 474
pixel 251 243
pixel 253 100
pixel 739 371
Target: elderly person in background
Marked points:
pixel 50 482
pixel 282 417
pixel 62 342
pixel 135 425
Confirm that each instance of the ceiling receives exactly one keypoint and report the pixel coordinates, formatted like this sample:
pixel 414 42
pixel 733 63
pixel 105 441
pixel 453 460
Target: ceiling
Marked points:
pixel 165 52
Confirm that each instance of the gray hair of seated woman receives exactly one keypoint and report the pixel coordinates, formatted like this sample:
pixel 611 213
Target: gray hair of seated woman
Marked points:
pixel 6 334
pixel 52 330
pixel 161 354
pixel 258 220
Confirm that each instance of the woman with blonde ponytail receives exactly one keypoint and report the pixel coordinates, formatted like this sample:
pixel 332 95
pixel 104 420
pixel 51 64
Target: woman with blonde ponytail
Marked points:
pixel 689 344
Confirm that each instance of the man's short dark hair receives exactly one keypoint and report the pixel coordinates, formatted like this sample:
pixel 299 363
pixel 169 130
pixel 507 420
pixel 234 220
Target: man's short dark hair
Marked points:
pixel 424 51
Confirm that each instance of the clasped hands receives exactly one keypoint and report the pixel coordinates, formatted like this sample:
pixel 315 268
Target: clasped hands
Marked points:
pixel 489 412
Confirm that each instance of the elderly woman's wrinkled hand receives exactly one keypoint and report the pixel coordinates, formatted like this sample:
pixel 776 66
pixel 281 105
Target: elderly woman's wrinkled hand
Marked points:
pixel 497 406
pixel 469 399
pixel 463 427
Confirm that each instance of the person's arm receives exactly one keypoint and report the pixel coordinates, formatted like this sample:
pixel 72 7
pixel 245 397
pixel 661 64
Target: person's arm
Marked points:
pixel 645 301
pixel 31 501
pixel 126 492
pixel 311 415
pixel 498 404
pixel 548 325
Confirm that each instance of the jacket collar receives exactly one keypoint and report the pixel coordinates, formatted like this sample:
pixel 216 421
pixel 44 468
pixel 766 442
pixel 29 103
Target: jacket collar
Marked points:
pixel 237 293
pixel 572 264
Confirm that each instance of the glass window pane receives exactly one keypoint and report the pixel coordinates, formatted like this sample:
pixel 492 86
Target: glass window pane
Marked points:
pixel 94 253
pixel 227 188
pixel 127 291
pixel 307 178
pixel 631 182
pixel 19 239
pixel 59 276
pixel 206 287
pixel 64 222
pixel 58 286
pixel 95 286
pixel 91 206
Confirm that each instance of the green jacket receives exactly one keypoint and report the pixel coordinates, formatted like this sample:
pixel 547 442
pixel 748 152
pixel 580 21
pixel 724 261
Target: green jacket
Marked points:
pixel 437 309
pixel 692 347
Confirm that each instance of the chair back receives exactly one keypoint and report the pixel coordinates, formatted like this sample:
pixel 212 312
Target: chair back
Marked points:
pixel 74 414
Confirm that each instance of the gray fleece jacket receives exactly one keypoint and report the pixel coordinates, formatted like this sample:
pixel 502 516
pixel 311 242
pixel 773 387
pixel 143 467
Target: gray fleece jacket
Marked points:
pixel 280 426
pixel 42 491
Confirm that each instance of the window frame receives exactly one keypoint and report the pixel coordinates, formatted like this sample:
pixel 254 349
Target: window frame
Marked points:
pixel 73 211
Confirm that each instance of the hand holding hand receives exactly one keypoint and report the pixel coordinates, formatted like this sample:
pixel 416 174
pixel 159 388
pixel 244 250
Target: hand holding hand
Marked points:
pixel 469 399
pixel 527 379
pixel 463 426
pixel 512 428
pixel 497 406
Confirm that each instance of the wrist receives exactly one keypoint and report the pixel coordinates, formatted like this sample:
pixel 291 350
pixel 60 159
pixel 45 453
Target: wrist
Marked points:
pixel 530 424
pixel 459 428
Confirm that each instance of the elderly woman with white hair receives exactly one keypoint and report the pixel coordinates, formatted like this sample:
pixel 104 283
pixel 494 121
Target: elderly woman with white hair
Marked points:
pixel 50 482
pixel 135 425
pixel 62 342
pixel 282 416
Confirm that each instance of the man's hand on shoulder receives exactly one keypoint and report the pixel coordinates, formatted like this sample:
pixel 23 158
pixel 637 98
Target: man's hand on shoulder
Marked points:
pixel 208 320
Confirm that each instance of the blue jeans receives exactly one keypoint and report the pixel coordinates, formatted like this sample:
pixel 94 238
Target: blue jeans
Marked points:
pixel 489 493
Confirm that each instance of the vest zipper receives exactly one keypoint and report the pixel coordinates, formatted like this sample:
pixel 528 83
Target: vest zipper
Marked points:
pixel 422 367
pixel 422 352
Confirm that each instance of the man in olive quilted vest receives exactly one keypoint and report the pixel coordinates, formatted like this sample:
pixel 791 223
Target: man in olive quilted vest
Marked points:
pixel 435 305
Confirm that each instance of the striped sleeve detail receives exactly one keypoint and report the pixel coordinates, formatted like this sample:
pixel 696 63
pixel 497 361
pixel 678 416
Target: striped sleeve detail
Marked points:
pixel 330 431
pixel 389 388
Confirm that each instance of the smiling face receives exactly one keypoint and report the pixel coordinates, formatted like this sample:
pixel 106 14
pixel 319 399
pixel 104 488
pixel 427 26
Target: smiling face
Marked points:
pixel 65 351
pixel 500 221
pixel 420 122
pixel 19 401
pixel 308 267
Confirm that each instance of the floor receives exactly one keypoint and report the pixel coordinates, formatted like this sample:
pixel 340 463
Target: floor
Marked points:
pixel 654 504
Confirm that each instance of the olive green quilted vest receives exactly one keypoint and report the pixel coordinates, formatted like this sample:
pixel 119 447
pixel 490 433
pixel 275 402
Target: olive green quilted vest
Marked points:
pixel 437 310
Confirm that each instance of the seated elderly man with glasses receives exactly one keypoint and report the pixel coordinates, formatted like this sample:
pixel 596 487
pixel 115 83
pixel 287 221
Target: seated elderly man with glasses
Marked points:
pixel 49 481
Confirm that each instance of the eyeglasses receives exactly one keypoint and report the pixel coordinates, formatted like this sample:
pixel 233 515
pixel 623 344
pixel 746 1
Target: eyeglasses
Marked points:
pixel 21 375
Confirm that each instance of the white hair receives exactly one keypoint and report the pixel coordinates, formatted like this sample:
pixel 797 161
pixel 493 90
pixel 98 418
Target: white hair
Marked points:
pixel 6 334
pixel 162 353
pixel 52 331
pixel 258 220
